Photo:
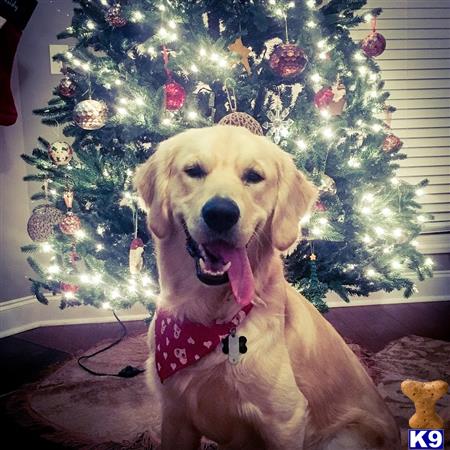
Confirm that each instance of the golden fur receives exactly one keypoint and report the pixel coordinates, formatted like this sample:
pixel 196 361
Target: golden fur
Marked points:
pixel 299 386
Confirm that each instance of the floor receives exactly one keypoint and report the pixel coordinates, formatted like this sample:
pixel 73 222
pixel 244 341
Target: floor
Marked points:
pixel 29 355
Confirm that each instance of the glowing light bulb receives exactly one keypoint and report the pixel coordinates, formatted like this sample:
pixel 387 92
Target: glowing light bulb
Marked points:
pixel 420 192
pixel 395 181
pixel 202 52
pixel 367 239
pixel 428 262
pixel 139 101
pixel 106 305
pixel 321 43
pixel 370 273
pixel 315 78
pixel 366 210
pixel 354 162
pixel 305 219
pixel 421 218
pixel 115 294
pixel 99 247
pixel 69 295
pixel 100 230
pixel 85 278
pixel 192 115
pixel 379 231
pixel 397 233
pixel 122 111
pixel 376 127
pixel 386 212
pixel 80 234
pixel 327 133
pixel 325 113
pixel 90 24
pixel 53 269
pixel 301 144
pixel 396 264
pixel 194 68
pixel 46 247
pixel 368 197
pixel 311 24
pixel 166 121
pixel 311 3
pixel 362 70
pixel 137 16
pixel 172 24
pixel 117 82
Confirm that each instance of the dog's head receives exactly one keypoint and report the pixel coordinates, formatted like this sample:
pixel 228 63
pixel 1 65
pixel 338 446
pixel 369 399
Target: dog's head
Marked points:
pixel 224 186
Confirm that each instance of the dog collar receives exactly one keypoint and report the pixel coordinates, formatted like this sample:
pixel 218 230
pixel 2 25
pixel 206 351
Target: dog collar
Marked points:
pixel 180 344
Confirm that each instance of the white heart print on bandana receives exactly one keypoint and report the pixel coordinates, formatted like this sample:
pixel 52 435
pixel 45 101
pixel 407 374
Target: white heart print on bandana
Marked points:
pixel 180 354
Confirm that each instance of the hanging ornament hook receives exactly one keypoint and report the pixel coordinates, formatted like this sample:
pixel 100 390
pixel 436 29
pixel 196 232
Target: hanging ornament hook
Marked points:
pixel 231 95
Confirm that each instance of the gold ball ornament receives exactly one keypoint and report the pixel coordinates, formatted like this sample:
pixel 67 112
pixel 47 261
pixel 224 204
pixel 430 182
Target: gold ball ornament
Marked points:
pixel 70 223
pixel 60 153
pixel 242 119
pixel 392 143
pixel 41 224
pixel 90 114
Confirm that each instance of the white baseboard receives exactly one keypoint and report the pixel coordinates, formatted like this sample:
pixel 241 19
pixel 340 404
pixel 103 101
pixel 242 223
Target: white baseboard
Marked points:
pixel 436 289
pixel 27 313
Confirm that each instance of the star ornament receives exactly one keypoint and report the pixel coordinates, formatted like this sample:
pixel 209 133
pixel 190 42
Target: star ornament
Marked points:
pixel 238 47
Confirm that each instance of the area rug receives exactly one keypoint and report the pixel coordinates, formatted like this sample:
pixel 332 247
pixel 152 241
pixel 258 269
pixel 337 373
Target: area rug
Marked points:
pixel 78 410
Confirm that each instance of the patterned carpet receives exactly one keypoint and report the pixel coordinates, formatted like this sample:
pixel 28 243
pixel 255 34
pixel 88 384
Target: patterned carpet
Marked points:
pixel 78 410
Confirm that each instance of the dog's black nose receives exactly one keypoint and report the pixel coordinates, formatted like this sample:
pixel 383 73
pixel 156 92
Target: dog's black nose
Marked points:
pixel 220 213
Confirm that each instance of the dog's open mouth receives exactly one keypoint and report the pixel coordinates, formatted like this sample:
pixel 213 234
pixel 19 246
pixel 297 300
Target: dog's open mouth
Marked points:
pixel 218 262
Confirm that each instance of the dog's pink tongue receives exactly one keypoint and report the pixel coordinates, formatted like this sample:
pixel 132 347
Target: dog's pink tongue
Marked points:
pixel 240 273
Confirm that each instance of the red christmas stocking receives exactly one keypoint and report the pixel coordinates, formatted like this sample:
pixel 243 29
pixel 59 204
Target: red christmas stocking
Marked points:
pixel 17 15
pixel 9 39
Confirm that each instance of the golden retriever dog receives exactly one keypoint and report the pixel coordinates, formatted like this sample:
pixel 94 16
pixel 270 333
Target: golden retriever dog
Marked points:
pixel 223 204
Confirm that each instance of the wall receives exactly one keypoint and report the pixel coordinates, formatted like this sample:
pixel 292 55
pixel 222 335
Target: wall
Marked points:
pixel 32 84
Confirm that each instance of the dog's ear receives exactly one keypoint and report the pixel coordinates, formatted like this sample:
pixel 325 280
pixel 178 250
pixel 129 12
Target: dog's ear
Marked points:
pixel 152 182
pixel 295 197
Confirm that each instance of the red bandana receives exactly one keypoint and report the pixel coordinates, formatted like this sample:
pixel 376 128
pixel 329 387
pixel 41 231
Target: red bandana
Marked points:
pixel 181 344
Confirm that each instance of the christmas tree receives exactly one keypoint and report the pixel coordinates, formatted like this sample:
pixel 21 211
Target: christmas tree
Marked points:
pixel 142 71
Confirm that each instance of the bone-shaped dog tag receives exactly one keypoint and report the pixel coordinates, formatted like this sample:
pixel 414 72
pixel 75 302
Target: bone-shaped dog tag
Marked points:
pixel 233 346
pixel 233 349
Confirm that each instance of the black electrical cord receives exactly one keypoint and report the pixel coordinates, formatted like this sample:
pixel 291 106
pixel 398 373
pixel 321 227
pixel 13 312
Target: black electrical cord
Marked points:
pixel 126 372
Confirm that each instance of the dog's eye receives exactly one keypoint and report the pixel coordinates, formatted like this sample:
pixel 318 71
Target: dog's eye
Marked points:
pixel 195 171
pixel 252 176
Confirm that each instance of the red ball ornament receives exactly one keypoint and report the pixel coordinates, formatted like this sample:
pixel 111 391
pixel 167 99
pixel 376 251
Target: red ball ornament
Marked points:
pixel 392 143
pixel 67 287
pixel 324 97
pixel 70 223
pixel 175 95
pixel 320 207
pixel 374 44
pixel 67 87
pixel 288 60
pixel 331 98
pixel 114 18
